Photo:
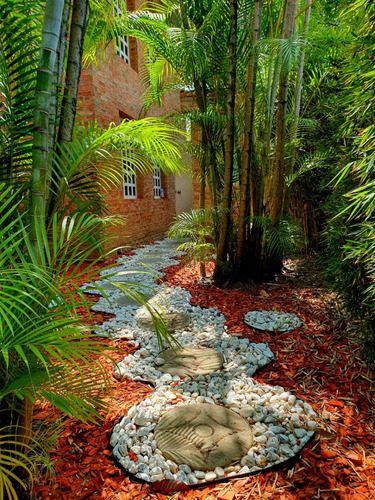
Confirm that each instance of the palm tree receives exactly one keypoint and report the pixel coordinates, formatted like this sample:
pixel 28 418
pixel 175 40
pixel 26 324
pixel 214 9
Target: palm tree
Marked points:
pixel 45 350
pixel 186 49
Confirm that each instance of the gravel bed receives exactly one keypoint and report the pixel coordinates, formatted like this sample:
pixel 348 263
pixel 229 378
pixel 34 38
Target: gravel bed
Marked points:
pixel 272 321
pixel 281 424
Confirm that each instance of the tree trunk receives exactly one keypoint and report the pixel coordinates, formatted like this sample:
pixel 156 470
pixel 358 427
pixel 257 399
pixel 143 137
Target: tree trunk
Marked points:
pixel 202 268
pixel 273 80
pixel 39 186
pixel 73 70
pixel 256 251
pixel 229 148
pixel 56 89
pixel 297 102
pixel 248 137
pixel 50 39
pixel 278 180
pixel 265 160
pixel 57 79
pixel 72 78
pixel 201 98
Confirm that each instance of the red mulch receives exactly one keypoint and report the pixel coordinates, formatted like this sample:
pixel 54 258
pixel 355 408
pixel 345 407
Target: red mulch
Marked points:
pixel 320 363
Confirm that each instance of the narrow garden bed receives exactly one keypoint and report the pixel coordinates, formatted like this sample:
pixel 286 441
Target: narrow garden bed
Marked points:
pixel 319 363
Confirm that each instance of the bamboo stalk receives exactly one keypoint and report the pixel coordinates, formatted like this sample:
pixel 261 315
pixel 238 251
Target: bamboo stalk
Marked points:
pixel 72 79
pixel 73 70
pixel 297 101
pixel 229 147
pixel 201 98
pixel 248 136
pixel 48 52
pixel 58 74
pixel 278 179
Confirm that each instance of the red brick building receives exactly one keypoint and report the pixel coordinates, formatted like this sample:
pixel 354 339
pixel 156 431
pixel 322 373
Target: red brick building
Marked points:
pixel 109 92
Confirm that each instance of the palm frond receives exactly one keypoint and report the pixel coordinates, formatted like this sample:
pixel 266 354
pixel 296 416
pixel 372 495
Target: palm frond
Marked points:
pixel 197 227
pixel 18 63
pixel 311 161
pixel 97 154
pixel 283 239
pixel 11 461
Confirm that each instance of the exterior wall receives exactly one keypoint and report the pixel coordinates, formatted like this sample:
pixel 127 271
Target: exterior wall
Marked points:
pixel 109 92
pixel 146 218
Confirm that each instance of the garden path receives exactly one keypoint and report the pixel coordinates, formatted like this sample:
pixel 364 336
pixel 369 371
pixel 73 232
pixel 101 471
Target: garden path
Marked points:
pixel 319 364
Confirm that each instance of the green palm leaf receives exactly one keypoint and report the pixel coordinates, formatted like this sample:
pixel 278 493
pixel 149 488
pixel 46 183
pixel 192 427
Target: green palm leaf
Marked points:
pixel 18 62
pixel 98 153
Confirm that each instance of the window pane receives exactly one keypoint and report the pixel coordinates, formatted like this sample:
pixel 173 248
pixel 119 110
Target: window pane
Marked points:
pixel 122 42
pixel 157 182
pixel 129 178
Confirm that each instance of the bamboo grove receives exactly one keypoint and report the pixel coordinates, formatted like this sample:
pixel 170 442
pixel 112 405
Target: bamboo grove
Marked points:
pixel 284 110
pixel 244 63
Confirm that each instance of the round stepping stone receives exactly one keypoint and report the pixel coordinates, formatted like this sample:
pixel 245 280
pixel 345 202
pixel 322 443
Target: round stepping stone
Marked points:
pixel 131 273
pixel 191 361
pixel 124 301
pixel 173 320
pixel 152 261
pixel 106 287
pixel 203 436
pixel 272 321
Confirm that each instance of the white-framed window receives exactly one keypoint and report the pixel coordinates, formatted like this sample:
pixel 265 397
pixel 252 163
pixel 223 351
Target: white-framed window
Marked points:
pixel 188 127
pixel 129 178
pixel 157 182
pixel 122 42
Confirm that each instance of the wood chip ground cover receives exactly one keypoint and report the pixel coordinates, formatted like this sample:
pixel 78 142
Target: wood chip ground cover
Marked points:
pixel 320 363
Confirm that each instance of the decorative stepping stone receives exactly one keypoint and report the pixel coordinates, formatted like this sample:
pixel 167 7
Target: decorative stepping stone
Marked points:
pixel 124 301
pixel 203 436
pixel 191 361
pixel 152 261
pixel 159 254
pixel 272 321
pixel 106 287
pixel 131 273
pixel 168 244
pixel 173 320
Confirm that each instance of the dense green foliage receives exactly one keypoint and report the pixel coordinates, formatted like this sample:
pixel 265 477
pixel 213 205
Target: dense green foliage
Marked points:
pixel 196 232
pixel 349 236
pixel 52 222
pixel 294 130
pixel 309 86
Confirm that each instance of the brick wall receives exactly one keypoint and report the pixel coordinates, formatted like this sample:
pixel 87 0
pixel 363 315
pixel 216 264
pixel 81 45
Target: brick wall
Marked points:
pixel 110 91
